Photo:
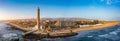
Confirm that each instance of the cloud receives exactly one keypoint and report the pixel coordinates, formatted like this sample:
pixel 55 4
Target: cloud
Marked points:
pixel 108 2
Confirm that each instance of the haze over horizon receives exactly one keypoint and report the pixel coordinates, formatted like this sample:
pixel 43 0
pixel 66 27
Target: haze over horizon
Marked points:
pixel 89 9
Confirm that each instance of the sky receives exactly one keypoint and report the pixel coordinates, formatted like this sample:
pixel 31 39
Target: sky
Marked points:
pixel 90 9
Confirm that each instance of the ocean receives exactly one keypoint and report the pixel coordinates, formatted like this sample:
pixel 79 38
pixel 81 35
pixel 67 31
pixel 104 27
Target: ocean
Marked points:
pixel 107 34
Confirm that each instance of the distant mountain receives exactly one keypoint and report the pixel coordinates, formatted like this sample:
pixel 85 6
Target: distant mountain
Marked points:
pixel 67 19
pixel 83 19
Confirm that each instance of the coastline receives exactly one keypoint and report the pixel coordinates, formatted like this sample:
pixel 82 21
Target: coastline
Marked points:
pixel 105 25
pixel 65 33
pixel 18 27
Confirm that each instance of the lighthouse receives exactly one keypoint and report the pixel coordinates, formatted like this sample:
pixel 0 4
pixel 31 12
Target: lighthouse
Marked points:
pixel 37 26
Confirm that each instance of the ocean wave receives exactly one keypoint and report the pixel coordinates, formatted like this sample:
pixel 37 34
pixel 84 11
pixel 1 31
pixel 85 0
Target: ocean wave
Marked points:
pixel 105 35
pixel 113 33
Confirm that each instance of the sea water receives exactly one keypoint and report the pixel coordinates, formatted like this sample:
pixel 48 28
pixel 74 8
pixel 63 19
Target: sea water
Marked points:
pixel 107 34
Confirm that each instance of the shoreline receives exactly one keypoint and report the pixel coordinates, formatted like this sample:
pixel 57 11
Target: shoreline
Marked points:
pixel 18 27
pixel 105 25
pixel 63 33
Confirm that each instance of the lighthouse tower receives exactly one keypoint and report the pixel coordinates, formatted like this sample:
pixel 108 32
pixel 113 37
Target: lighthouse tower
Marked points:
pixel 38 26
pixel 38 19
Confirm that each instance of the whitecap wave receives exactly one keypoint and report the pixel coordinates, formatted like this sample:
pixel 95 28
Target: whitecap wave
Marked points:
pixel 113 33
pixel 89 36
pixel 104 35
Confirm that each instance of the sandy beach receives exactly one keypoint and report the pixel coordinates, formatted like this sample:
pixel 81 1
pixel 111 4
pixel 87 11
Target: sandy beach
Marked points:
pixel 105 25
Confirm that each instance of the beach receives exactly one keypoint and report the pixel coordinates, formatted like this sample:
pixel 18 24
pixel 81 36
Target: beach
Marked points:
pixel 105 25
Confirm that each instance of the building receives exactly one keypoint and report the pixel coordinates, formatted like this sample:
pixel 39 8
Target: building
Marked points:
pixel 39 26
pixel 64 23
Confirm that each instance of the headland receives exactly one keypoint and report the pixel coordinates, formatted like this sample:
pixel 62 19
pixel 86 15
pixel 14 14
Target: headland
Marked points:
pixel 62 33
